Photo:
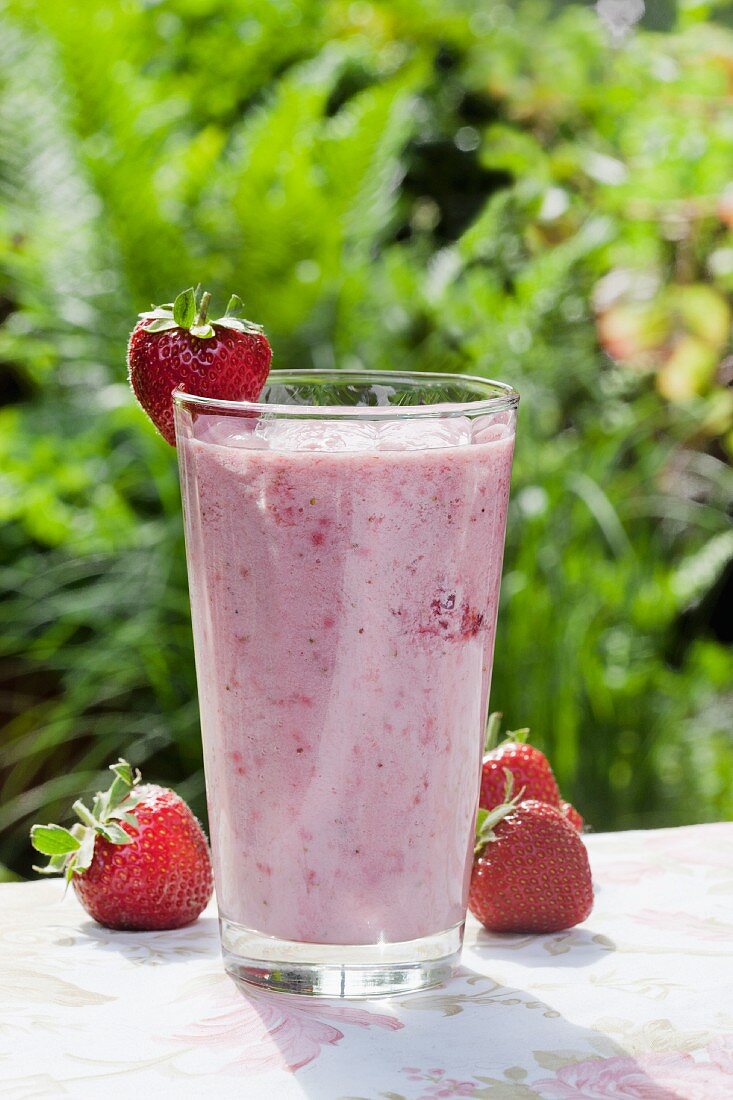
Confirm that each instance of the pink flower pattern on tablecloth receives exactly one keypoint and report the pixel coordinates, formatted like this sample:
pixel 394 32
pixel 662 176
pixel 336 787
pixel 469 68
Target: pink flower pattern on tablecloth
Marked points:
pixel 668 1076
pixel 440 1086
pixel 686 924
pixel 708 846
pixel 629 871
pixel 721 1052
pixel 260 1031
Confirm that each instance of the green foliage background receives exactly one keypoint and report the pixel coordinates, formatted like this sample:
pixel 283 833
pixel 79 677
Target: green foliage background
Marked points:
pixel 429 184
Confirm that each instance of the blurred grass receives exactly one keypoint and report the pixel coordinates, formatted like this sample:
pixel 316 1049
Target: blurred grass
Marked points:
pixel 429 185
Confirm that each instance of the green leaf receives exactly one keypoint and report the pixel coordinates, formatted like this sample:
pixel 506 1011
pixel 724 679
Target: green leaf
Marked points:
pixel 204 332
pixel 235 306
pixel 123 815
pixel 487 819
pixel 184 308
pixel 121 786
pixel 160 312
pixel 83 858
pixel 122 811
pixel 159 326
pixel 230 322
pixel 55 866
pixel 53 840
pixel 100 805
pixel 114 833
pixel 123 771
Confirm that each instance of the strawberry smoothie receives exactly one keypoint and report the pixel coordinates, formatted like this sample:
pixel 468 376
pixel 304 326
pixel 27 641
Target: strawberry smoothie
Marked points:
pixel 344 582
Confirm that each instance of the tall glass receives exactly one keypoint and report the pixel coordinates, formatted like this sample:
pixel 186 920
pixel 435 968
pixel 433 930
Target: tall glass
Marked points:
pixel 344 538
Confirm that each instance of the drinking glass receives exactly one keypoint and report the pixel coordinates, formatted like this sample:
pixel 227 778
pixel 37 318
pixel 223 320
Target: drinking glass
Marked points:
pixel 344 540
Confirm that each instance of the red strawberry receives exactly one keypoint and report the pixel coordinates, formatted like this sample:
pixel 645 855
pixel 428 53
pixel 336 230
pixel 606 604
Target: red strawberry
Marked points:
pixel 531 873
pixel 572 815
pixel 175 345
pixel 139 860
pixel 530 769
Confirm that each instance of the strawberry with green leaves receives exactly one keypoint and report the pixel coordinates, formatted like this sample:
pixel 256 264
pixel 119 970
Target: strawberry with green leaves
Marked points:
pixel 179 345
pixel 531 871
pixel 529 768
pixel 138 859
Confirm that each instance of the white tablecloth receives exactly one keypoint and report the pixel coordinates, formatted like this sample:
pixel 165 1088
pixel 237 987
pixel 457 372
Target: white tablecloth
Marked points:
pixel 636 1002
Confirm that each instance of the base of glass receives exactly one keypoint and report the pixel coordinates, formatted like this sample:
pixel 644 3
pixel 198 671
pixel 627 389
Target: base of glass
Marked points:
pixel 339 970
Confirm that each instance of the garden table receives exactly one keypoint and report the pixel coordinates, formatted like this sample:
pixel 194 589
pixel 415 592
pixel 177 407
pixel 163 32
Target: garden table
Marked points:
pixel 636 1002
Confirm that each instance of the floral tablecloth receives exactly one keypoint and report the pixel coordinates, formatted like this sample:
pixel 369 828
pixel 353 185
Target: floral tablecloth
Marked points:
pixel 637 1002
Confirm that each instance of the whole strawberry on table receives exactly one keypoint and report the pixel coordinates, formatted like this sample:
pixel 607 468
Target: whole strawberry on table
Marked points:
pixel 138 859
pixel 531 870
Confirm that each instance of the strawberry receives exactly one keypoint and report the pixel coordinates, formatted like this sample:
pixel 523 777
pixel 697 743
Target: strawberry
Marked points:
pixel 531 872
pixel 176 345
pixel 572 815
pixel 530 769
pixel 138 861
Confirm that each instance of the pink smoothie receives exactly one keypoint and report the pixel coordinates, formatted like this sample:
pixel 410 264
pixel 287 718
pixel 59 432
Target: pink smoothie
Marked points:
pixel 344 606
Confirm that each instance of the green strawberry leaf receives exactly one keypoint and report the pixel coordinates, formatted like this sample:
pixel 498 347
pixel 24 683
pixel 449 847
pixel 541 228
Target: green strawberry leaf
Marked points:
pixel 160 326
pixel 123 815
pixel 487 819
pixel 235 306
pixel 82 861
pixel 184 308
pixel 114 833
pixel 158 313
pixel 100 805
pixel 204 332
pixel 55 866
pixel 122 784
pixel 520 736
pixel 238 324
pixel 53 840
pixel 123 770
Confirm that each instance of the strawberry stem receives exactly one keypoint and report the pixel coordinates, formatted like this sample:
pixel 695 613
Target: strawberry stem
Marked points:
pixel 203 308
pixel 493 728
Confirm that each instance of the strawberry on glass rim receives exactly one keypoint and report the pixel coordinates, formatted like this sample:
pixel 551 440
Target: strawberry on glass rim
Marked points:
pixel 179 345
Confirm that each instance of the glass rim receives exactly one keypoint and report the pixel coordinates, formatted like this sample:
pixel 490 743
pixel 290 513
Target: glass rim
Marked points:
pixel 498 396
